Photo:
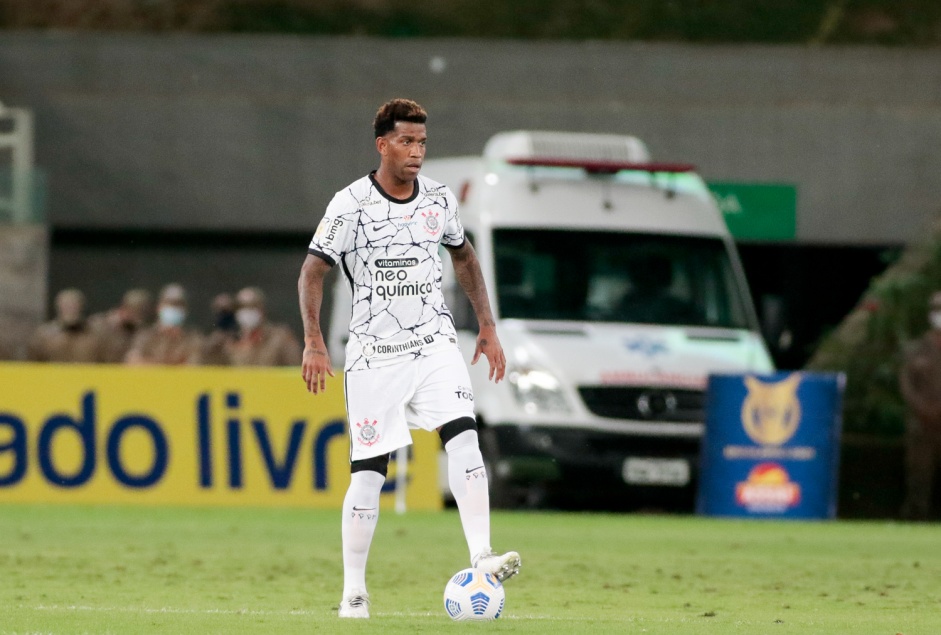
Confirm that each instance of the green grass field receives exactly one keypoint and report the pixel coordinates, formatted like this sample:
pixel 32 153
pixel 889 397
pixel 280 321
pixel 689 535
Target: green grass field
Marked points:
pixel 71 570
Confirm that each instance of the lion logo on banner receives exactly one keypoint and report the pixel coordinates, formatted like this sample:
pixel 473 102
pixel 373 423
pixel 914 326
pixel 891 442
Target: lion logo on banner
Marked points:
pixel 771 412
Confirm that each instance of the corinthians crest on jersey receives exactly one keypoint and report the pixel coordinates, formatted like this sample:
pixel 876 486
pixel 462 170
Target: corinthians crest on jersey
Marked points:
pixel 388 250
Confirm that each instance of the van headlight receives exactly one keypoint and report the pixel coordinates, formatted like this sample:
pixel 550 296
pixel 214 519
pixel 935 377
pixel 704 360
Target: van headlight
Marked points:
pixel 537 391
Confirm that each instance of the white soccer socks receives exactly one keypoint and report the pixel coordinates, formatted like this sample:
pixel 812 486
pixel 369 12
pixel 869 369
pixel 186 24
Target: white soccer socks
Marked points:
pixel 360 515
pixel 467 478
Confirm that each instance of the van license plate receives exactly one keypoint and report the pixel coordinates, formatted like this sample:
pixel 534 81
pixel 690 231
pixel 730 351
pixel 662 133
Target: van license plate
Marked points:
pixel 672 472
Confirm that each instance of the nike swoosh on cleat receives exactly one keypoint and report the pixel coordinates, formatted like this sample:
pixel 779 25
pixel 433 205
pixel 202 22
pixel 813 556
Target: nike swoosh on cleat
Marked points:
pixel 473 469
pixel 363 509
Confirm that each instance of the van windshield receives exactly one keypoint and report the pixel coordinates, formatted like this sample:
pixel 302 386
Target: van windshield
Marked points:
pixel 616 277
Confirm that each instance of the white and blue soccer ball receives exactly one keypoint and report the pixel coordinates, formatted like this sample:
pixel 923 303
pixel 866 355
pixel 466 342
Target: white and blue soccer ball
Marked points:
pixel 473 595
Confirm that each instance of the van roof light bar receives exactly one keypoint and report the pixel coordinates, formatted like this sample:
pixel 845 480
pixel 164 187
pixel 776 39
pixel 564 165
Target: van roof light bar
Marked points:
pixel 573 146
pixel 600 166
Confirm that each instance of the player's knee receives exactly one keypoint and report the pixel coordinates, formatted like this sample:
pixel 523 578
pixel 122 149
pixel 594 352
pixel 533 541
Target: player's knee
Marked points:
pixel 378 464
pixel 452 429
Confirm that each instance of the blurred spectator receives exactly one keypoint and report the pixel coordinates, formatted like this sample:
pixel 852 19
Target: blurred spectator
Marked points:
pixel 120 325
pixel 168 341
pixel 920 383
pixel 259 342
pixel 223 314
pixel 67 338
pixel 224 331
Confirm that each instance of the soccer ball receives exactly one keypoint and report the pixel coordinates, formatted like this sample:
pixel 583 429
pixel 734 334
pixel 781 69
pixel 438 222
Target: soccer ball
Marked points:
pixel 473 595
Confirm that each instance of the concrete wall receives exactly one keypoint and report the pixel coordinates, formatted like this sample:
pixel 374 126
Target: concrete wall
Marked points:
pixel 24 254
pixel 257 132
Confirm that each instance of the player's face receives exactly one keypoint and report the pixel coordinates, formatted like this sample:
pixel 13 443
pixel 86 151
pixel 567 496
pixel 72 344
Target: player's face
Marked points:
pixel 403 150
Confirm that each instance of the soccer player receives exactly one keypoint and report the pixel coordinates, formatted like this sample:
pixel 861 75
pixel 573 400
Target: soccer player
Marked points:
pixel 403 366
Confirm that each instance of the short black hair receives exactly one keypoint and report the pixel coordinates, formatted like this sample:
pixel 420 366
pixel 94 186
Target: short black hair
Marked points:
pixel 397 110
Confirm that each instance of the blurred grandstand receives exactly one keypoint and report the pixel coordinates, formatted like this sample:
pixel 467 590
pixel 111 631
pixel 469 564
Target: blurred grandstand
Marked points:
pixel 915 22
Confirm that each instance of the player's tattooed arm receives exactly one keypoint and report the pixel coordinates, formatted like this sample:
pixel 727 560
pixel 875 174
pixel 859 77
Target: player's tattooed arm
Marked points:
pixel 315 365
pixel 469 276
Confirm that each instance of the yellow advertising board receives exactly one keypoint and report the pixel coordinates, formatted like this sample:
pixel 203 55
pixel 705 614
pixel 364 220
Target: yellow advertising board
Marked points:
pixel 183 436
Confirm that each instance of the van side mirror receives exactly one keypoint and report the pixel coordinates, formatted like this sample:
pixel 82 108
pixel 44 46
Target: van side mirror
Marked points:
pixel 774 323
pixel 461 310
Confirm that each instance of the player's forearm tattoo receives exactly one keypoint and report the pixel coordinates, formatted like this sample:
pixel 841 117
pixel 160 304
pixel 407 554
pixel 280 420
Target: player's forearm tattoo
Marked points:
pixel 310 294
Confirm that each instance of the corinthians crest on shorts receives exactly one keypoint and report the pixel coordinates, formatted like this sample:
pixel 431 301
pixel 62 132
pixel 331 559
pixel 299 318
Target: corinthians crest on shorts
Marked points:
pixel 366 433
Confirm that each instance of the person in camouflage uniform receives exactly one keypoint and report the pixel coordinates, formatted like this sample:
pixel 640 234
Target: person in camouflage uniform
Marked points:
pixel 68 338
pixel 169 341
pixel 119 326
pixel 920 384
pixel 224 331
pixel 260 342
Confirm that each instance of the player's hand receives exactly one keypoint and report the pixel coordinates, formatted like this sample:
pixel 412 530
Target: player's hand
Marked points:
pixel 315 367
pixel 489 345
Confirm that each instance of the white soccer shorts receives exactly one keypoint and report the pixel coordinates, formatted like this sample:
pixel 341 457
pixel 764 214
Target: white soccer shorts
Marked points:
pixel 383 404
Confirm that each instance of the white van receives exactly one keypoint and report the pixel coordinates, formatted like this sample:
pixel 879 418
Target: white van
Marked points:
pixel 617 290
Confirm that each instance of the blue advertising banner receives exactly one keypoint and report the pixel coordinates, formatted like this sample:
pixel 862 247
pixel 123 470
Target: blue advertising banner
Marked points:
pixel 771 445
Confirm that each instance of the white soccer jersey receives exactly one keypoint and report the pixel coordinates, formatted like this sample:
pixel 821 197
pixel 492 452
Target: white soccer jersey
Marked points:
pixel 388 249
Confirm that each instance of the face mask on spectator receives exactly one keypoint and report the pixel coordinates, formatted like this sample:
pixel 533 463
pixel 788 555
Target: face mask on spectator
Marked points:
pixel 172 315
pixel 934 318
pixel 248 318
